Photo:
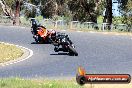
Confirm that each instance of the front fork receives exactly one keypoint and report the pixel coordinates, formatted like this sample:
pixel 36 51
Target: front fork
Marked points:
pixel 36 38
pixel 56 49
pixel 63 48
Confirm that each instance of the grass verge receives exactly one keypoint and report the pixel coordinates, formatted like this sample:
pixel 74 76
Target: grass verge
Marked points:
pixel 9 52
pixel 106 32
pixel 25 83
pixel 35 83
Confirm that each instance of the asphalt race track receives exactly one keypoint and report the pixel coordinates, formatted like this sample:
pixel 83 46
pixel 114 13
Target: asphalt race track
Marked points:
pixel 98 53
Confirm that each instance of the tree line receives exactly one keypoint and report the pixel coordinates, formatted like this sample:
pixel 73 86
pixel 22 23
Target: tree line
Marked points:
pixel 80 10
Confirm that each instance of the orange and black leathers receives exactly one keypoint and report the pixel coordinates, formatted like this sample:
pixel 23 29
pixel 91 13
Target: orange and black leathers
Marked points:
pixel 43 32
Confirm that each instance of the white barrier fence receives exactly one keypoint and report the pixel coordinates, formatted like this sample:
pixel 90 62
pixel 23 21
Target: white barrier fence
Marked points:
pixel 73 25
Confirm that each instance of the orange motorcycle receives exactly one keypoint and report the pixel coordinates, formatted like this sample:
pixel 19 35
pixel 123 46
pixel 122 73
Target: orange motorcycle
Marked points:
pixel 43 35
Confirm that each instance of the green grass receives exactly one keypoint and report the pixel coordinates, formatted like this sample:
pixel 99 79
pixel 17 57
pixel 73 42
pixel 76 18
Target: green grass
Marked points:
pixel 37 83
pixel 9 52
pixel 25 83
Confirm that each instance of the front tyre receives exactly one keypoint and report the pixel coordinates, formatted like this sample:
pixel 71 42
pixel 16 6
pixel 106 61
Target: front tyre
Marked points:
pixel 36 38
pixel 72 51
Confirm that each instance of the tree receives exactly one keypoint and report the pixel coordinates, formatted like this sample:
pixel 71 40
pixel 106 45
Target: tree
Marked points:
pixel 51 8
pixel 35 2
pixel 6 8
pixel 17 11
pixel 126 11
pixel 61 7
pixel 109 11
pixel 81 10
pixel 30 13
pixel 85 10
pixel 48 8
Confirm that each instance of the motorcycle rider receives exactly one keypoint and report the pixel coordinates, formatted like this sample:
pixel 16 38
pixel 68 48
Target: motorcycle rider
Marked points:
pixel 66 36
pixel 34 26
pixel 48 35
pixel 57 43
pixel 38 29
pixel 41 34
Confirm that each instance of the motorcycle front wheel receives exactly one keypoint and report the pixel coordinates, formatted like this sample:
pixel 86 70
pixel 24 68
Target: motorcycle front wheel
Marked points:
pixel 72 51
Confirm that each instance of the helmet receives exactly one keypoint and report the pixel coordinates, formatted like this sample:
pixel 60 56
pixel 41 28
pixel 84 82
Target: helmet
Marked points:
pixel 34 22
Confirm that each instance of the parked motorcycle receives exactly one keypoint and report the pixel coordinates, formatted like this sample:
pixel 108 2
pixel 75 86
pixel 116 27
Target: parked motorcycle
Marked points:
pixel 63 43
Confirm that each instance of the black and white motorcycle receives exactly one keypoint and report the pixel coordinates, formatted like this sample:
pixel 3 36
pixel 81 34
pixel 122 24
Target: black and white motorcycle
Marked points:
pixel 63 43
